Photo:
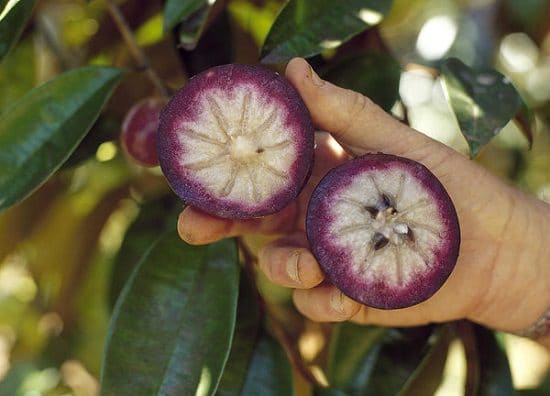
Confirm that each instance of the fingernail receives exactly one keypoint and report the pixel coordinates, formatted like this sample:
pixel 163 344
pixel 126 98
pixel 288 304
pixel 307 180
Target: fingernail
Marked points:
pixel 337 301
pixel 315 79
pixel 292 266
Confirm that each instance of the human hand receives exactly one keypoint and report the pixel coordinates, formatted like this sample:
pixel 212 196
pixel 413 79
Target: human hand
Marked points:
pixel 499 278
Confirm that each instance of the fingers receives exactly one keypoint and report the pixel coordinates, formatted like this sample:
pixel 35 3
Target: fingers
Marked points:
pixel 198 228
pixel 352 118
pixel 413 316
pixel 289 263
pixel 325 303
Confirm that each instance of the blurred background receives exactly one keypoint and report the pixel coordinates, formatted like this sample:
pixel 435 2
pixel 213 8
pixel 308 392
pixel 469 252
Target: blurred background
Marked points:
pixel 60 265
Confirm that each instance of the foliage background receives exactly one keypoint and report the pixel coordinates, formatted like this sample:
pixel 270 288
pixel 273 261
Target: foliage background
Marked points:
pixel 67 250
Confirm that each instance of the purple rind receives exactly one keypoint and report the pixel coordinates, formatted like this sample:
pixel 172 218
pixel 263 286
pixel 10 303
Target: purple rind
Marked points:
pixel 332 259
pixel 184 106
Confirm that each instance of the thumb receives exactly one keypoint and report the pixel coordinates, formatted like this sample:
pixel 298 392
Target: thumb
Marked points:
pixel 353 119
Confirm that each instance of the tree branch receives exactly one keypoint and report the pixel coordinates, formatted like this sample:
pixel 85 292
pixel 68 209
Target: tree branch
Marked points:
pixel 134 48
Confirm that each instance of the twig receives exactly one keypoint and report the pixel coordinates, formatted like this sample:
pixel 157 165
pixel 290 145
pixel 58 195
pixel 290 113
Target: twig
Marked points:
pixel 466 334
pixel 135 49
pixel 281 333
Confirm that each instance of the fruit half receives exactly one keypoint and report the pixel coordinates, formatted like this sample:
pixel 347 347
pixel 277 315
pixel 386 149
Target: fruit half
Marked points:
pixel 383 230
pixel 236 141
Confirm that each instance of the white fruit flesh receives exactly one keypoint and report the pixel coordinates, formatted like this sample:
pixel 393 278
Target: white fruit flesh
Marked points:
pixel 395 242
pixel 238 147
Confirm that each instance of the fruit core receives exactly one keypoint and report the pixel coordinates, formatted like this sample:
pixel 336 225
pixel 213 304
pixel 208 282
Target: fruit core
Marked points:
pixel 399 225
pixel 244 149
pixel 387 224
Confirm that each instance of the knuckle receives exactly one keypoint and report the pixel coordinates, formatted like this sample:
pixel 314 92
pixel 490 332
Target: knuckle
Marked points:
pixel 358 104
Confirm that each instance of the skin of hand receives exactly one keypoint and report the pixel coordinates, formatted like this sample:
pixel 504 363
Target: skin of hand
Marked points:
pixel 501 277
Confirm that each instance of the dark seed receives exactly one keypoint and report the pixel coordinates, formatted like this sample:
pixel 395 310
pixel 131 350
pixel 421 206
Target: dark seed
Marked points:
pixel 260 150
pixel 373 211
pixel 379 241
pixel 410 234
pixel 387 204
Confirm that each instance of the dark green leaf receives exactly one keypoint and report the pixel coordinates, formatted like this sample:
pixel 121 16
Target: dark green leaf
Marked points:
pixel 154 218
pixel 376 361
pixel 307 27
pixel 172 326
pixel 213 48
pixel 399 357
pixel 526 122
pixel 427 377
pixel 13 18
pixel 175 11
pixel 495 378
pixel 488 372
pixel 269 372
pixel 257 364
pixel 353 352
pixel 483 101
pixel 43 128
pixel 192 27
pixel 247 331
pixel 375 75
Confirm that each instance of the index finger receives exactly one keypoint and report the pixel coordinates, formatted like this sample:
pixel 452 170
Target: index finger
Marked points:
pixel 199 228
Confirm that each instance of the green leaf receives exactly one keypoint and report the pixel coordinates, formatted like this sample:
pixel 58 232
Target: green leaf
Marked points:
pixel 352 353
pixel 526 122
pixel 269 372
pixel 192 27
pixel 308 27
pixel 176 11
pixel 427 377
pixel 43 128
pixel 488 372
pixel 483 101
pixel 172 326
pixel 212 49
pixel 257 364
pixel 14 15
pixel 155 218
pixel 247 331
pixel 495 378
pixel 371 360
pixel 399 357
pixel 375 75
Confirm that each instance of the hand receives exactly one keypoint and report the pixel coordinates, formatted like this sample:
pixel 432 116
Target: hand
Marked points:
pixel 500 279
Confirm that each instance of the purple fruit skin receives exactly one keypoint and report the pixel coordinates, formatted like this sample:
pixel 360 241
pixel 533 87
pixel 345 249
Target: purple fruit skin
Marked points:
pixel 332 259
pixel 184 107
pixel 138 134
